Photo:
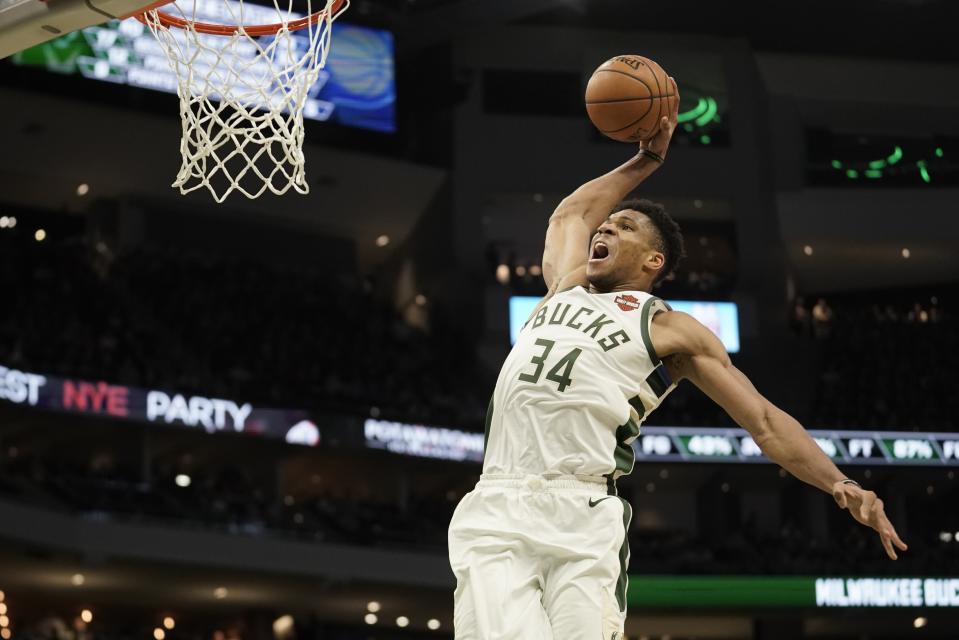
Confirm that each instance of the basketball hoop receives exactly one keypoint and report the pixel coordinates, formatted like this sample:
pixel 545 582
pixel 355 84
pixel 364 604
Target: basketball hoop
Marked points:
pixel 243 89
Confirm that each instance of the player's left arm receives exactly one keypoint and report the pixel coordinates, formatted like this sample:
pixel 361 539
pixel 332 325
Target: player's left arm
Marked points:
pixel 693 352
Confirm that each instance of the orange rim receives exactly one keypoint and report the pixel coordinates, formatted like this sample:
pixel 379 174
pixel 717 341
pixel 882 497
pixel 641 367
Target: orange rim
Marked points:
pixel 255 30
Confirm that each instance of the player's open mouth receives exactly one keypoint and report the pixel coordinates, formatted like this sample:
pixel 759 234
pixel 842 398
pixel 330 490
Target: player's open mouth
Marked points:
pixel 599 253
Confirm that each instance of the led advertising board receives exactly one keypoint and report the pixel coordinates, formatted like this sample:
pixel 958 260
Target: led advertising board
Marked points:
pixel 792 591
pixel 722 318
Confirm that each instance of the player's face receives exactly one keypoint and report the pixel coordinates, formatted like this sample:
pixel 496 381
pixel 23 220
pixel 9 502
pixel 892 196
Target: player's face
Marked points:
pixel 622 251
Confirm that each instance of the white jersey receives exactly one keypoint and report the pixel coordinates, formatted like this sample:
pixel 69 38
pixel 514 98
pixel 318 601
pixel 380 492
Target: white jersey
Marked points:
pixel 574 390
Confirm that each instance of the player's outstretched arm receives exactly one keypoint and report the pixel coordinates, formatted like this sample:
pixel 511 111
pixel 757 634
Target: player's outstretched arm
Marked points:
pixel 692 351
pixel 579 214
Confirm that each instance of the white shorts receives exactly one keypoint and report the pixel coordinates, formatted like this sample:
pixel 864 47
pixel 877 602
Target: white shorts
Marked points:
pixel 539 559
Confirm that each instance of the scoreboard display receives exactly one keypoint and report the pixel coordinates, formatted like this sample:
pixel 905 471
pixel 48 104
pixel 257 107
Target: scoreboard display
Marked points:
pixel 722 318
pixel 694 444
pixel 357 87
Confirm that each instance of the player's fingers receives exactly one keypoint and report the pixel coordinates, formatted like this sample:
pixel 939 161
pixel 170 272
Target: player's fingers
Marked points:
pixel 888 545
pixel 675 112
pixel 898 541
pixel 865 508
pixel 892 535
pixel 878 514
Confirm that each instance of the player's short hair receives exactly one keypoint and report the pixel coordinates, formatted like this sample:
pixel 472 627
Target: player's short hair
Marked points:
pixel 669 240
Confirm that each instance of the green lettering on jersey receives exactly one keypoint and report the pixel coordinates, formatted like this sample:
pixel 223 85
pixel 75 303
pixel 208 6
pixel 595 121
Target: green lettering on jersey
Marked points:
pixel 540 317
pixel 553 319
pixel 597 324
pixel 613 340
pixel 576 315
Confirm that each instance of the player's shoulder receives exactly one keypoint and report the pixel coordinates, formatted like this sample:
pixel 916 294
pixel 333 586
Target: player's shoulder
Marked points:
pixel 677 332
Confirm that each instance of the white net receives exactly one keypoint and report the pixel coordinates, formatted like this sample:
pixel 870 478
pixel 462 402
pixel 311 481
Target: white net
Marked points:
pixel 242 97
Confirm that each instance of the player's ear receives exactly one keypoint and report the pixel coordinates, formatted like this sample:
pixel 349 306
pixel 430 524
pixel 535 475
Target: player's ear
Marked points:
pixel 655 260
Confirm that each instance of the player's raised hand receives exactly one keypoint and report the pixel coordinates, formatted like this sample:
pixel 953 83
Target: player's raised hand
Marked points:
pixel 659 143
pixel 866 507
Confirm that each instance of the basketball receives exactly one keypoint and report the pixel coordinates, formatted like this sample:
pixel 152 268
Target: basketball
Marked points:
pixel 627 96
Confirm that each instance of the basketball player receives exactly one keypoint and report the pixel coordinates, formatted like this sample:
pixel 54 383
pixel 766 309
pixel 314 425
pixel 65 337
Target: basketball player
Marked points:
pixel 539 547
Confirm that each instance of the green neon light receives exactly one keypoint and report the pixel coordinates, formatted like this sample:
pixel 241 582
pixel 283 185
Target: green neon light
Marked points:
pixel 873 173
pixel 688 127
pixel 923 172
pixel 938 152
pixel 695 112
pixel 896 155
pixel 725 591
pixel 711 109
pixel 705 139
pixel 852 174
pixel 836 164
pixel 877 164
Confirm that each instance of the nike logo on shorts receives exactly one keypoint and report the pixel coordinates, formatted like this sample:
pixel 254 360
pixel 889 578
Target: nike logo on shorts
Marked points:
pixel 593 503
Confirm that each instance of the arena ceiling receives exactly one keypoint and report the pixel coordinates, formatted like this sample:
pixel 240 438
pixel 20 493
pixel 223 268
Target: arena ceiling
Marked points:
pixel 902 29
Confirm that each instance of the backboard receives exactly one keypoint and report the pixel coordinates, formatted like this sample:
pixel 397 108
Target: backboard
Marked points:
pixel 25 23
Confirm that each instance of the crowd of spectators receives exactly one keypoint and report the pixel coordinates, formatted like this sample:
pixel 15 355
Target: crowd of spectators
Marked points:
pixel 267 334
pixel 883 365
pixel 247 627
pixel 229 499
pixel 792 550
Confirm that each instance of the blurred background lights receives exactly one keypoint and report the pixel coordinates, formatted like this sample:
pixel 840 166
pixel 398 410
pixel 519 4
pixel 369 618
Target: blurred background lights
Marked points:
pixel 283 627
pixel 919 622
pixel 77 579
pixel 220 592
pixel 373 606
pixel 370 618
pixel 402 621
pixel 83 189
pixel 433 624
pixel 87 616
pixel 40 235
pixel 159 634
pixel 183 480
pixel 169 623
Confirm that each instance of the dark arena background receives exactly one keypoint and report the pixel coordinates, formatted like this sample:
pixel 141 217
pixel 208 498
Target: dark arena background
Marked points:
pixel 253 421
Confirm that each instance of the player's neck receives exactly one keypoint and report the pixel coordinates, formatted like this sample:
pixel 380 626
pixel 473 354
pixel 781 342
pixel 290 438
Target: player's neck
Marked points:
pixel 629 285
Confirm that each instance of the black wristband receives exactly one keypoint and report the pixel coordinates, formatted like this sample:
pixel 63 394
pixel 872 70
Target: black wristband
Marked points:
pixel 652 155
pixel 851 481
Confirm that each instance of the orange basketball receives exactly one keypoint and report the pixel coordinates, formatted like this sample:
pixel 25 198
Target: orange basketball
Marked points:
pixel 627 96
